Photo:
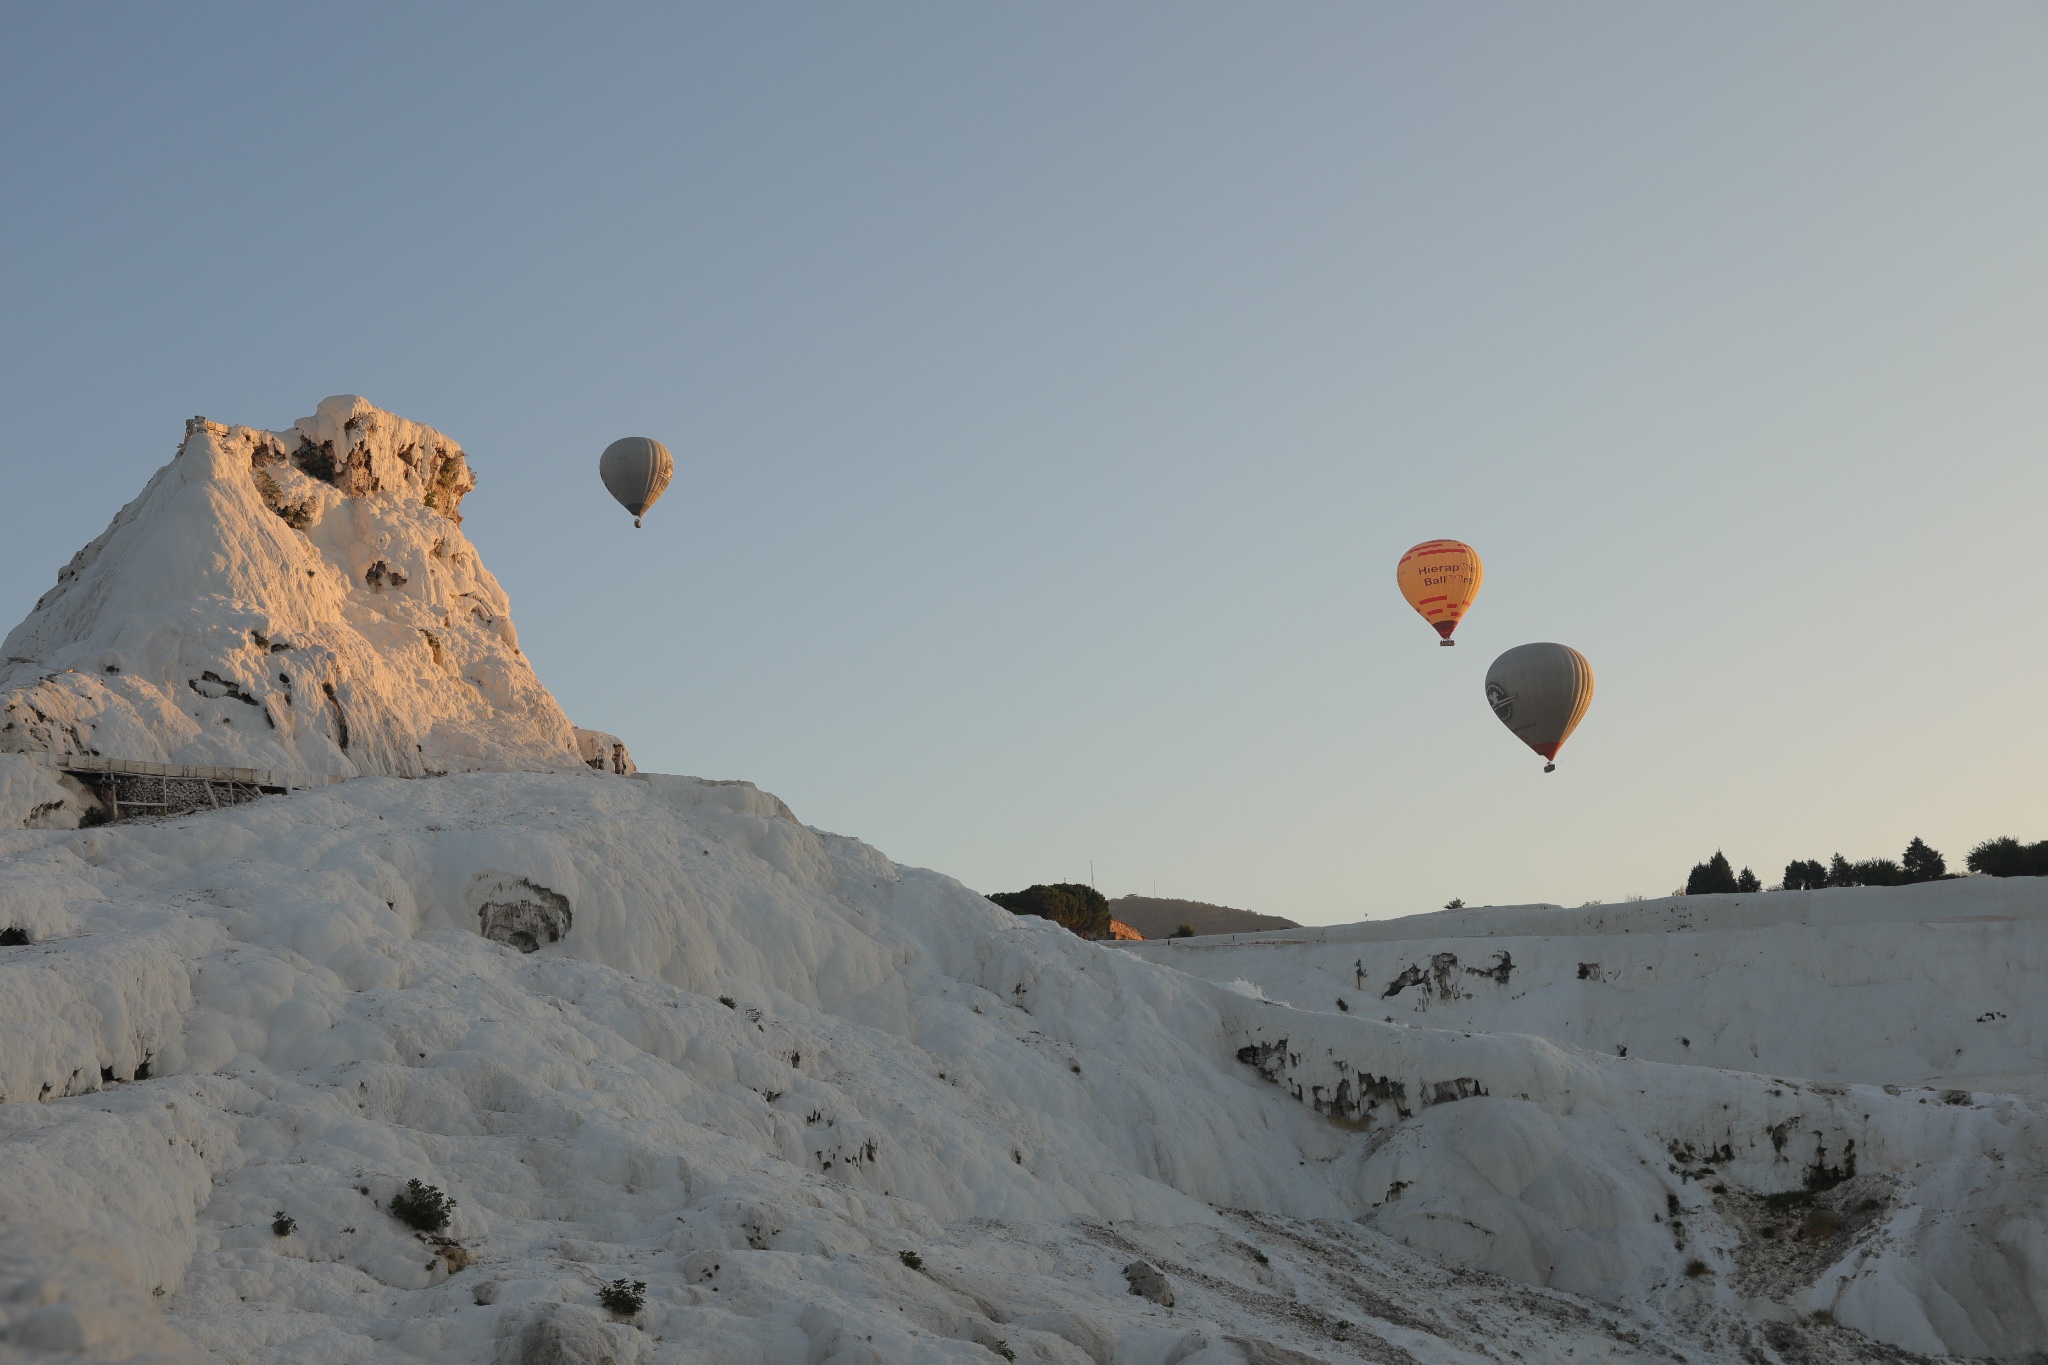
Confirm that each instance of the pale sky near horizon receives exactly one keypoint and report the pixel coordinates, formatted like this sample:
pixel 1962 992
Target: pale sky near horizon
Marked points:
pixel 1054 387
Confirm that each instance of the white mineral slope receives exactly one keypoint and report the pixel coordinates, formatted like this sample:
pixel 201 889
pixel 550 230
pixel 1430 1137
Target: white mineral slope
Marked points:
pixel 1941 985
pixel 302 601
pixel 302 988
pixel 289 1007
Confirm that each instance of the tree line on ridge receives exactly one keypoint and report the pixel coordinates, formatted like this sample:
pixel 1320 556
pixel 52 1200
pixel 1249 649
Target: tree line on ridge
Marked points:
pixel 2004 857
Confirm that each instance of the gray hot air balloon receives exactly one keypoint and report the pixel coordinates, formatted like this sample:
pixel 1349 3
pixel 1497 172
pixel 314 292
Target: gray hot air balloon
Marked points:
pixel 635 469
pixel 1541 693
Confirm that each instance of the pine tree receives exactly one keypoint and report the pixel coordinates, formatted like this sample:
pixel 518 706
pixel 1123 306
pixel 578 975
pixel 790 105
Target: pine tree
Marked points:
pixel 1923 864
pixel 1712 877
pixel 1747 881
pixel 1868 872
pixel 1805 875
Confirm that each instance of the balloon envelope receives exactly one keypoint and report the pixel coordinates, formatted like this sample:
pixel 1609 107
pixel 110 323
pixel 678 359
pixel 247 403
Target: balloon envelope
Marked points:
pixel 1541 693
pixel 1440 578
pixel 635 470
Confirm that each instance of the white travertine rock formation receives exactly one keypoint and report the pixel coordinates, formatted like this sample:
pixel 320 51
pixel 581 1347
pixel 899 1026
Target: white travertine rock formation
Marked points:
pixel 604 752
pixel 302 601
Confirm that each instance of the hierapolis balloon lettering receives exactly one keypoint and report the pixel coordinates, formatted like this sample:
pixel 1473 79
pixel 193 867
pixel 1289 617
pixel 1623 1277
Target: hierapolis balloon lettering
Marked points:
pixel 1440 579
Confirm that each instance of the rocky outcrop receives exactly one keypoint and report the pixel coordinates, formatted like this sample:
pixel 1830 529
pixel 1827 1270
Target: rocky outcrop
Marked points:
pixel 604 752
pixel 300 601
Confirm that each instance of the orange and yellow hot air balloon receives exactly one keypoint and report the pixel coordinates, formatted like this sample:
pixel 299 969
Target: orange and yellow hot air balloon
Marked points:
pixel 1440 578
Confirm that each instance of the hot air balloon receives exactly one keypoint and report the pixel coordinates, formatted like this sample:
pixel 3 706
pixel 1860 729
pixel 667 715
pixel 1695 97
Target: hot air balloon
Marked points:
pixel 1440 578
pixel 635 470
pixel 1541 693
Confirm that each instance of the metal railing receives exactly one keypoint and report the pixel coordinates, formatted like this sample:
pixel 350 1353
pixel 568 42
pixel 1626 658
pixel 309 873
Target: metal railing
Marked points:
pixel 130 787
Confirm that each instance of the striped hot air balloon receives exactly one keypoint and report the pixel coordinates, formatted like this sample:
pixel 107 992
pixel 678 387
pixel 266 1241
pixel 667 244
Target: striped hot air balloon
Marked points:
pixel 1541 692
pixel 635 470
pixel 1440 578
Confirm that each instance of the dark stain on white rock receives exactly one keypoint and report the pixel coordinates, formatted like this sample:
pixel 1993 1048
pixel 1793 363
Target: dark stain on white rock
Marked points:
pixel 1443 975
pixel 213 687
pixel 524 915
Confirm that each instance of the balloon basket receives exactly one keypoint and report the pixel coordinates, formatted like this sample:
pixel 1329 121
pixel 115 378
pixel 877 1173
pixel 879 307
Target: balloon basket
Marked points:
pixel 1550 767
pixel 1447 643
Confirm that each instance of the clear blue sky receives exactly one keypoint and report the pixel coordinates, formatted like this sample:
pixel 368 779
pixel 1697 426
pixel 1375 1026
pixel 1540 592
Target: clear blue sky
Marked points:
pixel 1053 388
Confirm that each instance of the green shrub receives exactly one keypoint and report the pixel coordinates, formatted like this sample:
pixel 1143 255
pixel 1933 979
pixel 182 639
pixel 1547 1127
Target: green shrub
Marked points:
pixel 1080 908
pixel 911 1259
pixel 2009 858
pixel 621 1299
pixel 1805 875
pixel 1811 876
pixel 1185 931
pixel 421 1206
pixel 1878 872
pixel 284 1225
pixel 315 460
pixel 1869 872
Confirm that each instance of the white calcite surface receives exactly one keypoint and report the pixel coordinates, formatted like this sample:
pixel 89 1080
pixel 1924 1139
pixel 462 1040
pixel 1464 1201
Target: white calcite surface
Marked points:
pixel 307 986
pixel 36 796
pixel 283 1006
pixel 245 612
pixel 1943 985
pixel 1914 1019
pixel 826 1108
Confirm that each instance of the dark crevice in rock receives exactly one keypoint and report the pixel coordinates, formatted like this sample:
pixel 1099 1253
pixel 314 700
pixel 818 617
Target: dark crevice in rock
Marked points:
pixel 340 716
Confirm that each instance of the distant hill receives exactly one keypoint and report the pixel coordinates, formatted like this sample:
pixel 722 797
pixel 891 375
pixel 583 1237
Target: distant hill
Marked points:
pixel 1158 916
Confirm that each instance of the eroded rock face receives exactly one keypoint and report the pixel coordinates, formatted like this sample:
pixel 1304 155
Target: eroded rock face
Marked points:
pixel 604 752
pixel 301 601
pixel 1146 1282
pixel 522 914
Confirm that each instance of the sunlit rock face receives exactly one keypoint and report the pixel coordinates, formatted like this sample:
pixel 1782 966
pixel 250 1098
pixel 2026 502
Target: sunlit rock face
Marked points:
pixel 302 601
